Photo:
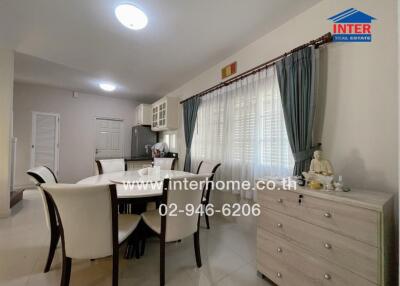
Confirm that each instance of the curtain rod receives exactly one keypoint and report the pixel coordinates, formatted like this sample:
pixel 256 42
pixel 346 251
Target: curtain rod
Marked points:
pixel 317 42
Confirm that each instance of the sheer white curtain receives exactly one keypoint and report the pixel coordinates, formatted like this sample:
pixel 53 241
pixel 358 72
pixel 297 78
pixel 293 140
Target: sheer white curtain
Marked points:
pixel 242 126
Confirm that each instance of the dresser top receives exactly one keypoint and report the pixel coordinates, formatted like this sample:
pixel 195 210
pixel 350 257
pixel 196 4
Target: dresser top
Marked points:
pixel 358 197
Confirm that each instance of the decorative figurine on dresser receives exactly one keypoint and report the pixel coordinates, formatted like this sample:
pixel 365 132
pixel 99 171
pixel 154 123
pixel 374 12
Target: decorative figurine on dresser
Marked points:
pixel 320 166
pixel 320 173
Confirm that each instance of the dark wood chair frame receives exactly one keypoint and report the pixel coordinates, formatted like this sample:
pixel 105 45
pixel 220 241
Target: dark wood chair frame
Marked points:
pixel 161 235
pixel 67 261
pixel 54 226
pixel 206 199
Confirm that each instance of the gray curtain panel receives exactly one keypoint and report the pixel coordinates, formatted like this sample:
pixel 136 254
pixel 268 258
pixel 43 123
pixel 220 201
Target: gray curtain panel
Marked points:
pixel 190 108
pixel 297 83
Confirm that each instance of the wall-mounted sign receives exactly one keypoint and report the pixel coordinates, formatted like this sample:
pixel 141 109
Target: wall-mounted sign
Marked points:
pixel 228 70
pixel 352 25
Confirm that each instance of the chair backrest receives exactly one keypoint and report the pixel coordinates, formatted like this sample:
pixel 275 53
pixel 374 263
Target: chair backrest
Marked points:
pixel 208 167
pixel 88 218
pixel 181 193
pixel 164 163
pixel 110 165
pixel 41 175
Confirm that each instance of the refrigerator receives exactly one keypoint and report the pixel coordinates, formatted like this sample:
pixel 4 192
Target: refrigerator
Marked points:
pixel 142 140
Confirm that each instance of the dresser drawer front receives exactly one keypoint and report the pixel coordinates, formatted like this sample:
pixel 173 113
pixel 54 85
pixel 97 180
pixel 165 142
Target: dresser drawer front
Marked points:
pixel 361 224
pixel 276 255
pixel 356 256
pixel 279 273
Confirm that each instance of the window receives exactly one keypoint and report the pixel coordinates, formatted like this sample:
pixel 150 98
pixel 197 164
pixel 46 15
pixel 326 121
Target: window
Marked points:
pixel 170 140
pixel 243 127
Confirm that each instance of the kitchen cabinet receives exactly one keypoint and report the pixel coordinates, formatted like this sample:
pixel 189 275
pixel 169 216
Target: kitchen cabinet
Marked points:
pixel 165 114
pixel 143 114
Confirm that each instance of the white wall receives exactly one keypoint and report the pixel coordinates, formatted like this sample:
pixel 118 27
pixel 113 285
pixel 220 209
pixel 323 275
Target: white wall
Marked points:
pixel 77 129
pixel 359 90
pixel 6 100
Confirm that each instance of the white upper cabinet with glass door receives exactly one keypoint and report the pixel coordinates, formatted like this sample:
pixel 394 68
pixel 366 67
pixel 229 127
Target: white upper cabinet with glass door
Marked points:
pixel 165 114
pixel 155 117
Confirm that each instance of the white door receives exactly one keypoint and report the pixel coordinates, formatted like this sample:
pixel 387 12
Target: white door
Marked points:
pixel 45 140
pixel 109 138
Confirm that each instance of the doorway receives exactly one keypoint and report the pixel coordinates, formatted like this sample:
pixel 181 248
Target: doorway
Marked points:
pixel 109 138
pixel 45 140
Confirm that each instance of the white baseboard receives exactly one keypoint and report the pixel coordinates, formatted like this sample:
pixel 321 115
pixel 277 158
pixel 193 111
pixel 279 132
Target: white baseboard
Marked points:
pixel 5 214
pixel 26 186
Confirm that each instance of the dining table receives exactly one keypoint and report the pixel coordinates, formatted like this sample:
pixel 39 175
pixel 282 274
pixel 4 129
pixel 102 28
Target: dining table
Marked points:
pixel 135 190
pixel 135 183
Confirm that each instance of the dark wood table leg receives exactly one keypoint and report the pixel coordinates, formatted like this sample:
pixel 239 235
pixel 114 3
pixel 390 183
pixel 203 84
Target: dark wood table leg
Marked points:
pixel 137 206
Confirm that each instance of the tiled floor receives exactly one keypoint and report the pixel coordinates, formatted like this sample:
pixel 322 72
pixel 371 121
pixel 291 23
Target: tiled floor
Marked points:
pixel 228 255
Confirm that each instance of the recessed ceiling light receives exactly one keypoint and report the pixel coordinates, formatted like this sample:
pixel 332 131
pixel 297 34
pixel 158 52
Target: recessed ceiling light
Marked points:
pixel 107 86
pixel 131 17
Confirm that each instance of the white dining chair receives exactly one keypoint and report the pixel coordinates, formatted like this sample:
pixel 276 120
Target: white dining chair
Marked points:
pixel 90 226
pixel 207 167
pixel 179 225
pixel 164 163
pixel 41 175
pixel 105 166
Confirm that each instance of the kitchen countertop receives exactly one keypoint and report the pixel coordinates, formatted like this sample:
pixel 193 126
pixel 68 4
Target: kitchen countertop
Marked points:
pixel 138 159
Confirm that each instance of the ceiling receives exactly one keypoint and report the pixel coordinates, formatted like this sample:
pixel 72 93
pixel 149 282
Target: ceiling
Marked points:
pixel 76 44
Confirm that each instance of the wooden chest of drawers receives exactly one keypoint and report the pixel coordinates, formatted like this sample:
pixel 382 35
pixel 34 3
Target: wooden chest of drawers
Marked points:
pixel 307 237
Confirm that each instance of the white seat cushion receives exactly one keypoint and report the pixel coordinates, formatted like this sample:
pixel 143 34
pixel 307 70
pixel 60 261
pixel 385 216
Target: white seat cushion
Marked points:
pixel 127 223
pixel 153 220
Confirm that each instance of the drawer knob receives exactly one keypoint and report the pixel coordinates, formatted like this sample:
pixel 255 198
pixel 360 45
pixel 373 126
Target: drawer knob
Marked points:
pixel 327 276
pixel 327 245
pixel 327 215
pixel 279 249
pixel 279 225
pixel 278 274
pixel 280 201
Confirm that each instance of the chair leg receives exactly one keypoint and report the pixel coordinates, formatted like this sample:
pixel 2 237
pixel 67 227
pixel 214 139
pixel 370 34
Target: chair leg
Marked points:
pixel 137 247
pixel 162 263
pixel 143 235
pixel 129 252
pixel 66 271
pixel 115 269
pixel 207 220
pixel 196 240
pixel 142 246
pixel 54 237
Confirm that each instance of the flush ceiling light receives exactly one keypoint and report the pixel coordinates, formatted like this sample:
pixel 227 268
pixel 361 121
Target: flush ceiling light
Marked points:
pixel 107 86
pixel 131 17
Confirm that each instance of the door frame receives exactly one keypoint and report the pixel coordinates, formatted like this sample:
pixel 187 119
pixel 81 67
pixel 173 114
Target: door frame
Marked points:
pixel 57 145
pixel 95 134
